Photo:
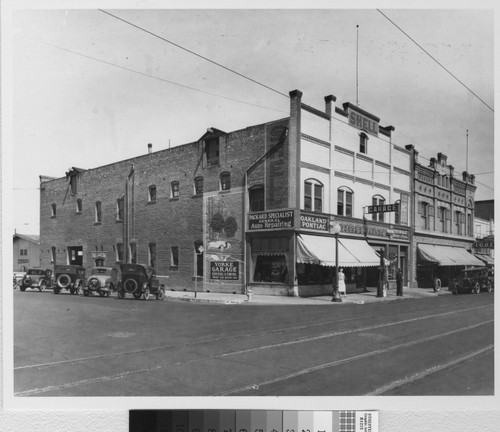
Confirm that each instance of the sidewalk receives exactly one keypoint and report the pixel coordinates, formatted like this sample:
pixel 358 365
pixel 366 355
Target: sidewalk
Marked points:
pixel 369 296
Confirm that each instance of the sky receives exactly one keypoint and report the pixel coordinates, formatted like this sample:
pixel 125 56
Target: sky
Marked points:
pixel 89 89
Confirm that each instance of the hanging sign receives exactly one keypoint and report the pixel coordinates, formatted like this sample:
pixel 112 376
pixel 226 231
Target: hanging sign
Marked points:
pixel 383 208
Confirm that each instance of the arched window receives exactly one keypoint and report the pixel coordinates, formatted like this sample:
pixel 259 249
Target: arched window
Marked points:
pixel 54 210
pixel 378 200
pixel 363 143
pixel 152 194
pixel 174 189
pixel 79 205
pixel 98 212
pixel 313 195
pixel 344 201
pixel 198 185
pixel 120 205
pixel 225 181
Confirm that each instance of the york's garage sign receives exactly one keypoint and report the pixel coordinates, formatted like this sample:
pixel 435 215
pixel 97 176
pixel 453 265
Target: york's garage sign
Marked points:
pixel 225 270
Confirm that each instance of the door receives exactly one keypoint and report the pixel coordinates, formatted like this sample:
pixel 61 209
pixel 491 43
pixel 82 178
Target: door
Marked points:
pixel 75 255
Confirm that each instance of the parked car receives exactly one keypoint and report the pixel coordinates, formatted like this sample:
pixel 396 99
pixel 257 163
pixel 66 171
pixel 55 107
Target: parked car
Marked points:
pixel 102 281
pixel 18 277
pixel 473 280
pixel 68 277
pixel 140 281
pixel 36 279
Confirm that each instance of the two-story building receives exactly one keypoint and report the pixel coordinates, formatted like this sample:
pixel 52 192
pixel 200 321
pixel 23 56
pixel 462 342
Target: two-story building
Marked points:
pixel 26 248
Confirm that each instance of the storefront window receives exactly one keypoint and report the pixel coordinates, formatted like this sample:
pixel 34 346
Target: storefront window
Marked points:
pixel 271 268
pixel 314 274
pixel 393 265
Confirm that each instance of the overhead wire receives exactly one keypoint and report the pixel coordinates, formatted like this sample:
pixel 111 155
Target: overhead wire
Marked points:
pixel 194 53
pixel 435 60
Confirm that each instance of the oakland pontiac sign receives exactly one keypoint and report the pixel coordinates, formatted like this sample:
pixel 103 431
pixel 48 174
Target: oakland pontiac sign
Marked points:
pixel 318 223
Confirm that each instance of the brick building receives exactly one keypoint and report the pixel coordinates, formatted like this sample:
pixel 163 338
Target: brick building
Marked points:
pixel 253 208
pixel 442 221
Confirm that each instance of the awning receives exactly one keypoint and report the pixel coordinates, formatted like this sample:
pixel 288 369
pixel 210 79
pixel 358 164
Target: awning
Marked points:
pixel 487 259
pixel 321 250
pixel 447 255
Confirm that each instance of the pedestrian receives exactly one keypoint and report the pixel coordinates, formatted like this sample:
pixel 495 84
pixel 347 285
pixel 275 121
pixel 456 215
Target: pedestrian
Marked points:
pixel 342 289
pixel 399 283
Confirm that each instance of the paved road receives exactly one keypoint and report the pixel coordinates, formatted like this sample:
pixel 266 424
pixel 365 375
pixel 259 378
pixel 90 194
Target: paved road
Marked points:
pixel 69 345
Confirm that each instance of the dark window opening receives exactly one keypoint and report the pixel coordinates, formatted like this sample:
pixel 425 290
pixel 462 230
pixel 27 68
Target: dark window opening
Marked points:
pixel 256 198
pixel 212 151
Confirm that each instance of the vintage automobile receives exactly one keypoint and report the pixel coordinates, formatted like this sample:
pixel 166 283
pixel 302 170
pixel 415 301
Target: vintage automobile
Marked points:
pixel 68 277
pixel 18 277
pixel 473 280
pixel 140 281
pixel 37 279
pixel 102 281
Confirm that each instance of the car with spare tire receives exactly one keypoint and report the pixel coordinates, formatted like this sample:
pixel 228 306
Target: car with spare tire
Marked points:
pixel 39 279
pixel 102 281
pixel 68 277
pixel 140 280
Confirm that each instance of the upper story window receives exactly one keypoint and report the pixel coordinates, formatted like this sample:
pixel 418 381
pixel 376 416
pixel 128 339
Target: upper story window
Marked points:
pixel 212 151
pixel 133 253
pixel 174 189
pixel 54 210
pixel 423 210
pixel 152 194
pixel 313 195
pixel 444 216
pixel 363 143
pixel 152 254
pixel 119 252
pixel 198 185
pixel 73 184
pixel 79 205
pixel 98 212
pixel 378 200
pixel 256 198
pixel 120 209
pixel 174 256
pixel 458 222
pixel 225 181
pixel 53 254
pixel 344 201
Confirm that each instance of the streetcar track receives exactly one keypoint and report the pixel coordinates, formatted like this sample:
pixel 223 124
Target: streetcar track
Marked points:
pixel 346 360
pixel 123 374
pixel 248 336
pixel 429 371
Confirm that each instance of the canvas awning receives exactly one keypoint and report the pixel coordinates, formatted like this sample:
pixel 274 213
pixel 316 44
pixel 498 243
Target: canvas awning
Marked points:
pixel 321 250
pixel 447 255
pixel 487 259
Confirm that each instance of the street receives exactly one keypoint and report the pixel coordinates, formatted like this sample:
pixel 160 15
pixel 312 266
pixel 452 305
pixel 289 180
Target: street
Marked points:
pixel 68 345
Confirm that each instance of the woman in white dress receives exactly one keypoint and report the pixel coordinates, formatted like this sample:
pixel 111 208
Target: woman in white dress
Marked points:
pixel 342 289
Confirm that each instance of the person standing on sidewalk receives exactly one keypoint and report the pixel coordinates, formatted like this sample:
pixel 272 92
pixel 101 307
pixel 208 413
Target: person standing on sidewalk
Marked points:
pixel 399 283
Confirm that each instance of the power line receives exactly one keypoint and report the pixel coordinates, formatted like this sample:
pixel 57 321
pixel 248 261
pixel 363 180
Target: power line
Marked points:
pixel 157 78
pixel 433 58
pixel 194 53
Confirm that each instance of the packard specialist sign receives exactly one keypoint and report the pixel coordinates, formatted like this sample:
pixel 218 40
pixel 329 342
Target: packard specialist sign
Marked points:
pixel 383 208
pixel 225 270
pixel 270 220
pixel 314 222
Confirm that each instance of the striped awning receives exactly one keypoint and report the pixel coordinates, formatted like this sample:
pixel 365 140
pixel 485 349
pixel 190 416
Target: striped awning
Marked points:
pixel 487 259
pixel 321 250
pixel 447 255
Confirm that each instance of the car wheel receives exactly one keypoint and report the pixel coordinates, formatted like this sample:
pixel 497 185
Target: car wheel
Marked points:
pixel 161 294
pixel 488 287
pixel 145 295
pixel 42 286
pixel 22 288
pixel 63 281
pixel 477 288
pixel 130 286
pixel 437 285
